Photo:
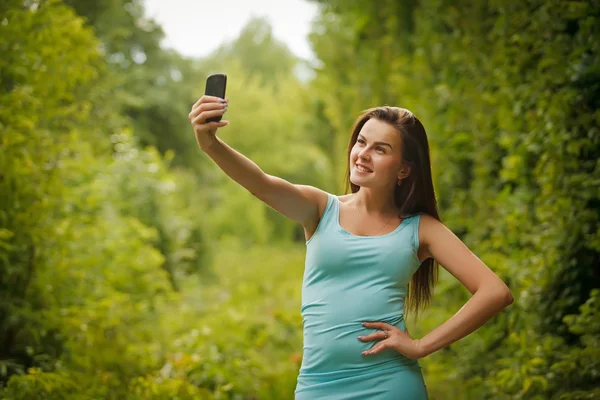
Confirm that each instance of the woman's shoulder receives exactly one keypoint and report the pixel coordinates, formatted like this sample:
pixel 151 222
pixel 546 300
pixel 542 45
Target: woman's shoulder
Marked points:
pixel 428 225
pixel 345 197
pixel 425 216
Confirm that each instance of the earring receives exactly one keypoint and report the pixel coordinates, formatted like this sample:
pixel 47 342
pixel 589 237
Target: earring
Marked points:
pixel 399 182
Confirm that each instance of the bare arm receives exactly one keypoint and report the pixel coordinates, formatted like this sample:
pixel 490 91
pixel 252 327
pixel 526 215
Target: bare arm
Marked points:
pixel 300 203
pixel 490 293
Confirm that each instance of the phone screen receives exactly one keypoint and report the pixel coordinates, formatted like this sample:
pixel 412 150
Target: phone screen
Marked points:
pixel 215 85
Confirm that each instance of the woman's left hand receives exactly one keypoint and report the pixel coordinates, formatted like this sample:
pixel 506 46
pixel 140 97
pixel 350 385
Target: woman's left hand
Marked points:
pixel 396 339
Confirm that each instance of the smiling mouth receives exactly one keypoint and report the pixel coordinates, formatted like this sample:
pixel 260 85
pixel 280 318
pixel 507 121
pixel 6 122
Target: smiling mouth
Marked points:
pixel 361 168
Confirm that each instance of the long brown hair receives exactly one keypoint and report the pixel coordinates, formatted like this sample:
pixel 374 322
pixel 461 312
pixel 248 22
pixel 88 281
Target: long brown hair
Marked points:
pixel 414 195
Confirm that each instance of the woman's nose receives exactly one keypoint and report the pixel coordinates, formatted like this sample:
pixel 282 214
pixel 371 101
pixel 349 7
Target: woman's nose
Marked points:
pixel 364 154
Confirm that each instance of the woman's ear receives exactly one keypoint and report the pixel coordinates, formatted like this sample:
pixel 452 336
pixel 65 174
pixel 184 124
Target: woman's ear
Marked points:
pixel 404 172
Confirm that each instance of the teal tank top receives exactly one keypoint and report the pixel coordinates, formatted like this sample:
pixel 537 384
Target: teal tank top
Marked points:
pixel 349 279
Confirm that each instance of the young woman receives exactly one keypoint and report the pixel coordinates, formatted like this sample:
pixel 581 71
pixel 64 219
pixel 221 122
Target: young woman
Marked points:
pixel 366 252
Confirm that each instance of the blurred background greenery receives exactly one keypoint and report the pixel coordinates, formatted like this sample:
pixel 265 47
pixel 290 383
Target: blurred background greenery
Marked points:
pixel 131 267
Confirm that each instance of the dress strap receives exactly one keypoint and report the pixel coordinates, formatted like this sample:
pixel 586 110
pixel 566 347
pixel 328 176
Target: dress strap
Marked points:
pixel 413 225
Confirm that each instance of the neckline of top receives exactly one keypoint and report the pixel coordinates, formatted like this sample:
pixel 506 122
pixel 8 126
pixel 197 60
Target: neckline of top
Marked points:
pixel 337 220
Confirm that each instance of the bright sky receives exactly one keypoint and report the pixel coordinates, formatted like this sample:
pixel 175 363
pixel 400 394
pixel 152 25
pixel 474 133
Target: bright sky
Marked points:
pixel 196 27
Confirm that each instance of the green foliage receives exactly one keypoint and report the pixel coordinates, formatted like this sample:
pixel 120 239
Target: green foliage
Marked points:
pixel 247 343
pixel 244 342
pixel 153 88
pixel 95 231
pixel 101 239
pixel 132 267
pixel 263 56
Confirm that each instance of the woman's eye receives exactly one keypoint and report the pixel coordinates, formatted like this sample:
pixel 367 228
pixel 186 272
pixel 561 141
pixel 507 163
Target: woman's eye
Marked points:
pixel 361 142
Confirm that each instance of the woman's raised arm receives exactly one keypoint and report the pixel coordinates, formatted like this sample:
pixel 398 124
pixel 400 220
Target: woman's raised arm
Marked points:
pixel 301 203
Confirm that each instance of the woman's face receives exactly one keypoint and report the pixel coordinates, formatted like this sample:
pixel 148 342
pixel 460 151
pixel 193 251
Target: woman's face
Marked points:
pixel 378 149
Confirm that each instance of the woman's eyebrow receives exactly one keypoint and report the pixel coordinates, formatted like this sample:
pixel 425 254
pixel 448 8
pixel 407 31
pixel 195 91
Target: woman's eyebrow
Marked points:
pixel 380 143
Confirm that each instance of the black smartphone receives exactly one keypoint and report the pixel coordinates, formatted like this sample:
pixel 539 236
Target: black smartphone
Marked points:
pixel 215 86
